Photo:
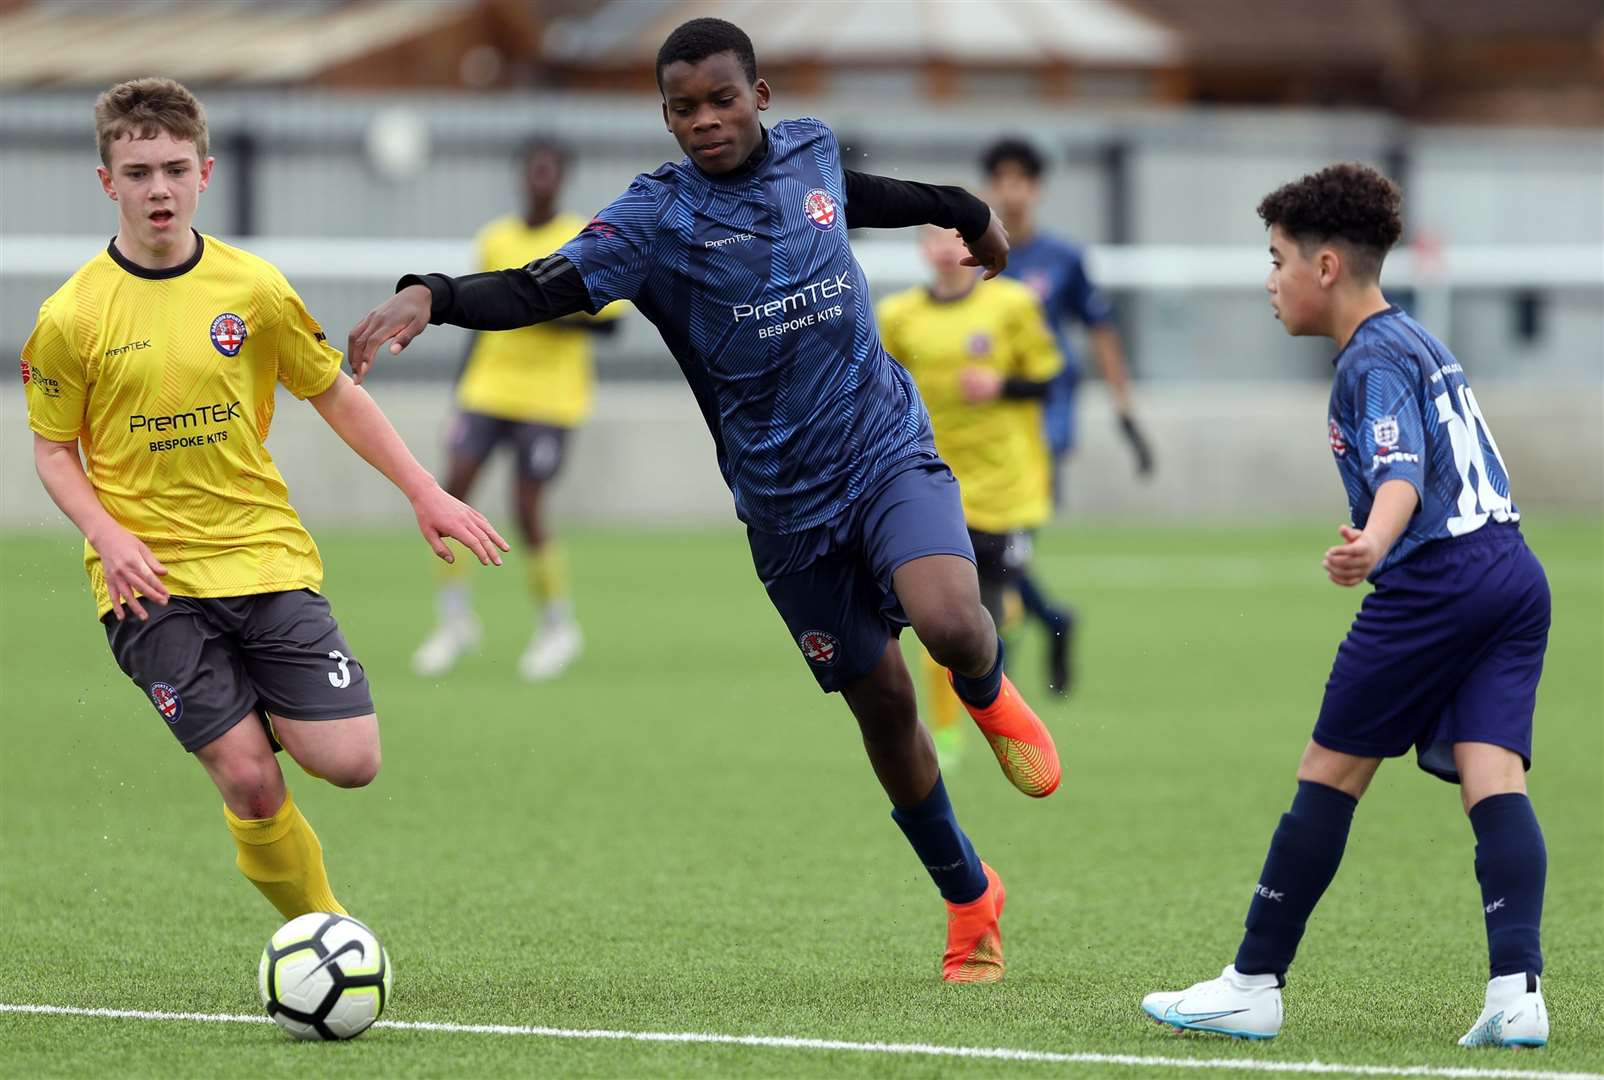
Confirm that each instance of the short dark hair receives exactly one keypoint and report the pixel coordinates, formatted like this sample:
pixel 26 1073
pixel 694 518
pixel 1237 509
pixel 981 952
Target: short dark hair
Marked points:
pixel 1013 150
pixel 698 39
pixel 544 144
pixel 1349 202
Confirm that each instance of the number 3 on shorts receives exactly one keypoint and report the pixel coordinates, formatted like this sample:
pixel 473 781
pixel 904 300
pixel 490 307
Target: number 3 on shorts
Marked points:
pixel 342 678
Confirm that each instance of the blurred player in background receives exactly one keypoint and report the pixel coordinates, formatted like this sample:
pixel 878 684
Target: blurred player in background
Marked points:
pixel 158 362
pixel 1055 269
pixel 526 389
pixel 983 359
pixel 738 253
pixel 1446 652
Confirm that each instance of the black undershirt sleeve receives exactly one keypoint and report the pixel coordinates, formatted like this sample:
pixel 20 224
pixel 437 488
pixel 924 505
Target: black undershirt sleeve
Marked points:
pixel 546 289
pixel 879 202
pixel 1017 389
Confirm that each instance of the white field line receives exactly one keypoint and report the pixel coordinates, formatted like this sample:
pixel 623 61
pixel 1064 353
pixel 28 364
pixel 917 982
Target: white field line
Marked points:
pixel 783 1042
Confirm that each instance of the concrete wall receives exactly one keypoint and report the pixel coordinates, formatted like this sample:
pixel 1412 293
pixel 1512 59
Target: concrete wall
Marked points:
pixel 1225 451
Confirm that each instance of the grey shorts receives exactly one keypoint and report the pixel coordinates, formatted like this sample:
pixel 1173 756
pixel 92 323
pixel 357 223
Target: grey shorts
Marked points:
pixel 538 449
pixel 206 662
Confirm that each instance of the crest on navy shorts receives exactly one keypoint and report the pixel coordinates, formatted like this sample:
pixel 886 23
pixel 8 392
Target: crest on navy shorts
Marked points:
pixel 168 703
pixel 820 648
pixel 820 209
pixel 1386 432
pixel 228 333
pixel 1339 445
pixel 27 372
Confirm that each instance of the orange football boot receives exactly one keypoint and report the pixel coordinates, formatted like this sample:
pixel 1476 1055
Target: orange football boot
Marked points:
pixel 974 942
pixel 1022 743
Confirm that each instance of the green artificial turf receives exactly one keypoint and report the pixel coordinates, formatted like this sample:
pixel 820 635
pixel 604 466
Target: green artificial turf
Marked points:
pixel 683 834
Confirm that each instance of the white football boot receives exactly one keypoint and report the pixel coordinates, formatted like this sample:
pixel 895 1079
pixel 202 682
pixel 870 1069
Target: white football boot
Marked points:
pixel 449 642
pixel 553 648
pixel 1241 1006
pixel 1514 1014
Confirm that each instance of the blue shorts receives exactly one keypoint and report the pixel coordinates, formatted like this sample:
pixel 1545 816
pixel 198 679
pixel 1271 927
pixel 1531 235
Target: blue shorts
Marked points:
pixel 832 583
pixel 1448 648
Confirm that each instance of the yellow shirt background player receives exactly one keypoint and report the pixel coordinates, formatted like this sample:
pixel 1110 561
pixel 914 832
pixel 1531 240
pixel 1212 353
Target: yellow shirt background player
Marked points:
pixel 537 374
pixel 950 341
pixel 167 382
pixel 526 389
pixel 150 380
pixel 983 358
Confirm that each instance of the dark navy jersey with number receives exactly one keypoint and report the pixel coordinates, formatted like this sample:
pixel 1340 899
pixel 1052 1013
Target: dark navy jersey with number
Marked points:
pixel 753 286
pixel 1402 410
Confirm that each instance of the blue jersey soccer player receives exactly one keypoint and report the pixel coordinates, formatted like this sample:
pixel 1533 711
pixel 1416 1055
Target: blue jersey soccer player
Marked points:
pixel 1446 652
pixel 738 254
pixel 1055 269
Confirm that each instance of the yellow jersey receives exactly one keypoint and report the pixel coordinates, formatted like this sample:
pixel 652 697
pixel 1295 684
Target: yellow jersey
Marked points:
pixel 166 378
pixel 996 449
pixel 535 374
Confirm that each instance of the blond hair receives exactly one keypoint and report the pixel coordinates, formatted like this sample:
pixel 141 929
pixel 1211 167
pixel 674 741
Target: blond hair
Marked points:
pixel 144 109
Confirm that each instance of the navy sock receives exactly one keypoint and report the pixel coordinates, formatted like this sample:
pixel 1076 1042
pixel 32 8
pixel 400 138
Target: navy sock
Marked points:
pixel 982 690
pixel 1511 864
pixel 1304 855
pixel 1036 603
pixel 932 829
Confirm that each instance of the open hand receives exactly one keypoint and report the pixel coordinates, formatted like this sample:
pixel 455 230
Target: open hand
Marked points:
pixel 989 249
pixel 398 320
pixel 1351 562
pixel 129 566
pixel 440 515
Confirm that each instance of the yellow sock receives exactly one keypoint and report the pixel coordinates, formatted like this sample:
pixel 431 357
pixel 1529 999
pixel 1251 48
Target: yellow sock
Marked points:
pixel 1013 612
pixel 547 567
pixel 282 858
pixel 943 703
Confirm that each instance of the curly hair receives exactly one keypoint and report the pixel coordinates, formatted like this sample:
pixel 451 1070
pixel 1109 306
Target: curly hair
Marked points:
pixel 1013 150
pixel 1349 202
pixel 145 108
pixel 698 39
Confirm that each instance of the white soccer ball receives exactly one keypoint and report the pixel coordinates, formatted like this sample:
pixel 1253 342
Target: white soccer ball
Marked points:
pixel 324 976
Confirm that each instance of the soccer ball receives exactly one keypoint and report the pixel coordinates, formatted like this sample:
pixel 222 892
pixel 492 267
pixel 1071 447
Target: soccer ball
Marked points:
pixel 324 976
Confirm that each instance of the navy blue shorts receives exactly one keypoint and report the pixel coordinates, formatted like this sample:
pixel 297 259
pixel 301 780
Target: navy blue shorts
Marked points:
pixel 1448 648
pixel 832 583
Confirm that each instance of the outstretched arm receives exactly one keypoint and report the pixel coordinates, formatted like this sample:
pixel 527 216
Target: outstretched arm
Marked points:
pixel 879 202
pixel 357 418
pixel 499 300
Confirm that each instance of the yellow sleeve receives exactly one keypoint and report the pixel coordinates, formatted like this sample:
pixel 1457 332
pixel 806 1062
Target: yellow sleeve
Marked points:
pixel 56 382
pixel 885 315
pixel 1035 353
pixel 307 363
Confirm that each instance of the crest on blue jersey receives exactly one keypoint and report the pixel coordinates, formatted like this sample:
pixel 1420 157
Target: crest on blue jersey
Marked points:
pixel 165 696
pixel 1386 432
pixel 228 333
pixel 820 209
pixel 820 648
pixel 1339 445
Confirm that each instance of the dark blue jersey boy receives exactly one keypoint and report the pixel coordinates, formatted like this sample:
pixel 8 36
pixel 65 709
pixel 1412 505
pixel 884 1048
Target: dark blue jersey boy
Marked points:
pixel 1445 654
pixel 738 254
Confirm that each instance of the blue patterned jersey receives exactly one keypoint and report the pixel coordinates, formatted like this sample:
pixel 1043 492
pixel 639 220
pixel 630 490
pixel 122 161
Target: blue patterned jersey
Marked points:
pixel 1402 410
pixel 1056 270
pixel 755 291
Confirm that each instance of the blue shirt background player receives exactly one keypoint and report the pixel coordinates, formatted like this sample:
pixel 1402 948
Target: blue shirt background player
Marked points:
pixel 738 254
pixel 1056 269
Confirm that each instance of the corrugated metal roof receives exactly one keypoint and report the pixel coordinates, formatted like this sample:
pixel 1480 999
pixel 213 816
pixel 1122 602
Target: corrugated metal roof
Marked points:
pixel 205 42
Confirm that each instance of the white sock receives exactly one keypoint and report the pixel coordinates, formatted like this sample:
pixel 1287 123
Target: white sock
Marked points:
pixel 453 602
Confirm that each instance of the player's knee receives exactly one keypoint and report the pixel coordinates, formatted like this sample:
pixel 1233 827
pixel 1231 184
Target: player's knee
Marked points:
pixel 252 786
pixel 352 769
pixel 959 636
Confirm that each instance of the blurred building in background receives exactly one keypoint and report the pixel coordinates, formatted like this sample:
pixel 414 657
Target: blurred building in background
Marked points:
pixel 357 139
